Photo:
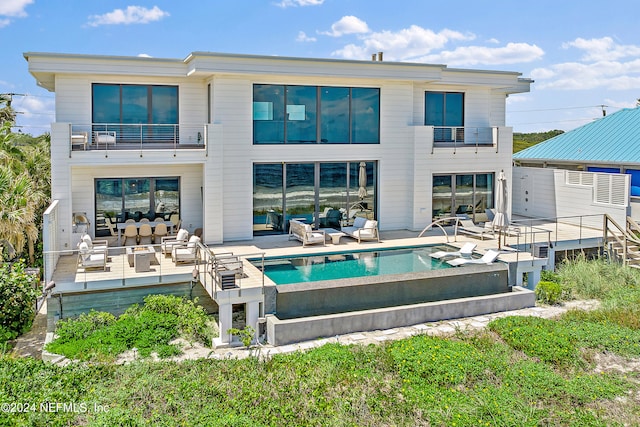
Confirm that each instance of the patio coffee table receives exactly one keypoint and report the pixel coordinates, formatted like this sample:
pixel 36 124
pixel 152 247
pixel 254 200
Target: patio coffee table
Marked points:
pixel 334 234
pixel 137 254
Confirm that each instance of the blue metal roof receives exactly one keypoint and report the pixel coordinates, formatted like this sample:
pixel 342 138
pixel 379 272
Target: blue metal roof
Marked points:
pixel 611 139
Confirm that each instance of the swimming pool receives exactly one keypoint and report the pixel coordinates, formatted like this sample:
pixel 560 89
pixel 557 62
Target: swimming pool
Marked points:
pixel 345 265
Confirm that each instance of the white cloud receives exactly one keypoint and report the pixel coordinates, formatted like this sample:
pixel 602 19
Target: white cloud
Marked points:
pixel 602 49
pixel 303 37
pixel 14 7
pixel 406 44
pixel 347 25
pixel 512 53
pixel 302 3
pixel 130 15
pixel 144 55
pixel 602 65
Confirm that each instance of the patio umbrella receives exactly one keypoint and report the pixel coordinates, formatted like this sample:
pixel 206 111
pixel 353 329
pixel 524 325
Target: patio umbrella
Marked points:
pixel 362 181
pixel 501 219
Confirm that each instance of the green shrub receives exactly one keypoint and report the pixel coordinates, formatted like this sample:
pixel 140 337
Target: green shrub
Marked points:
pixel 548 292
pixel 246 335
pixel 148 328
pixel 18 294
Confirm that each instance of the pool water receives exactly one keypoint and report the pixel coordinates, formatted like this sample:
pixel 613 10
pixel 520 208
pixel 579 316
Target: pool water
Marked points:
pixel 345 265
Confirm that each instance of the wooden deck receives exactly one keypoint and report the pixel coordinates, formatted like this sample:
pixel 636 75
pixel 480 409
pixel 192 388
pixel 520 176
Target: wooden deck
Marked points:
pixel 118 274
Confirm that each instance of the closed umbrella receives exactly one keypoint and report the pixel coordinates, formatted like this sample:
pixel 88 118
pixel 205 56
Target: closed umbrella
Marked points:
pixel 362 181
pixel 501 219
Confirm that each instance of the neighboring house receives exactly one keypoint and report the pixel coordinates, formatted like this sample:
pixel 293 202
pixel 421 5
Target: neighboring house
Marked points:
pixel 591 170
pixel 240 144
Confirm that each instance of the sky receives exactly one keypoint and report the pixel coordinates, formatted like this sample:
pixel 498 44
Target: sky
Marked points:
pixel 584 55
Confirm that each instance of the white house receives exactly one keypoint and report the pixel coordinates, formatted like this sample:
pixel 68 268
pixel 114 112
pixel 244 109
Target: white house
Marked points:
pixel 239 144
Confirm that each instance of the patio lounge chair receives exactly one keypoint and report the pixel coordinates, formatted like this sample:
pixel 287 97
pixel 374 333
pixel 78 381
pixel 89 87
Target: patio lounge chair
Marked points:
pixel 467 226
pixel 91 258
pixel 305 233
pixel 186 253
pixel 363 229
pixel 168 242
pixel 489 257
pixel 465 252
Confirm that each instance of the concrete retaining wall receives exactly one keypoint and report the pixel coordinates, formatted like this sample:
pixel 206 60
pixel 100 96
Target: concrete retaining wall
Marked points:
pixel 281 332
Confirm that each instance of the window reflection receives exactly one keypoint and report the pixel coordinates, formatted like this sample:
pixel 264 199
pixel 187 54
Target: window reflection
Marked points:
pixel 327 195
pixel 462 194
pixel 290 114
pixel 119 199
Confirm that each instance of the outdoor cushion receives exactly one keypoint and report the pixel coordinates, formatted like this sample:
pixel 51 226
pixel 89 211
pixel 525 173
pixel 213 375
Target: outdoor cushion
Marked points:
pixel 359 222
pixel 192 243
pixel 182 234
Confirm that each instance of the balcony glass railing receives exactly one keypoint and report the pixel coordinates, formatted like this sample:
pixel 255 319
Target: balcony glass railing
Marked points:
pixel 118 136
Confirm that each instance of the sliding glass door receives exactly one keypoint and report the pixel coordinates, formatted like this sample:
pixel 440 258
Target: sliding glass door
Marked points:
pixel 119 199
pixel 462 194
pixel 323 194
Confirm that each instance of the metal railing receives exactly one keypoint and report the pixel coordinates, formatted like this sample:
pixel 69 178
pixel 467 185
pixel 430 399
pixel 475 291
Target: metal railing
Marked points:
pixel 116 136
pixel 119 271
pixel 464 137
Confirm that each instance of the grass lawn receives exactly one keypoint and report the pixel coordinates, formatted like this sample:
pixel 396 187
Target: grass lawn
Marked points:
pixel 580 369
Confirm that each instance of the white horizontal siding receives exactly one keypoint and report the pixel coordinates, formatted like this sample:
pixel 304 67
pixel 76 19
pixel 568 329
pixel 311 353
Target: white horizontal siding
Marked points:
pixel 545 193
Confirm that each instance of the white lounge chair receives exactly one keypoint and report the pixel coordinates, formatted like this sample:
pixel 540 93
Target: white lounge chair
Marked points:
pixel 305 233
pixel 91 258
pixel 489 257
pixel 187 252
pixel 465 252
pixel 362 229
pixel 467 226
pixel 168 242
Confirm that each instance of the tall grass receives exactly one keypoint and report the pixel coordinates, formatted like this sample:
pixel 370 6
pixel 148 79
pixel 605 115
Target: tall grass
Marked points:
pixel 597 279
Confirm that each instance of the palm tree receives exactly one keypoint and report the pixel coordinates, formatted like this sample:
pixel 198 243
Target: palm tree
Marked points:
pixel 18 206
pixel 7 113
pixel 24 188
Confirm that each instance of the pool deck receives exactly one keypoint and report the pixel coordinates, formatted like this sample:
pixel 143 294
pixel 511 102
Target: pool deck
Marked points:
pixel 250 290
pixel 69 278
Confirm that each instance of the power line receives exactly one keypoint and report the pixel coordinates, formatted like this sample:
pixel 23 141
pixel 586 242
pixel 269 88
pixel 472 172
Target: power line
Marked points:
pixel 557 109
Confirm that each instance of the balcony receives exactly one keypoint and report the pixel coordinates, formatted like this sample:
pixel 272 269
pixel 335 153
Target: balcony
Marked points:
pixel 458 137
pixel 117 136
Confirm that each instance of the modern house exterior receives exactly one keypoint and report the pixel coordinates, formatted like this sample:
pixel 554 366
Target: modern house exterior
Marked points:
pixel 591 170
pixel 238 145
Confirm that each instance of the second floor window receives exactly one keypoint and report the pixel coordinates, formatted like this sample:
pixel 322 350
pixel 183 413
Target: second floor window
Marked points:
pixel 134 104
pixel 444 111
pixel 314 114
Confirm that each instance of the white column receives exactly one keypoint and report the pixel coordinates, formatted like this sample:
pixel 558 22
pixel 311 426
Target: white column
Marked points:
pixel 225 322
pixel 252 312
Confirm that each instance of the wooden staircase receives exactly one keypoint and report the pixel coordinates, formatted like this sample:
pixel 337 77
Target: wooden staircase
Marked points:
pixel 622 244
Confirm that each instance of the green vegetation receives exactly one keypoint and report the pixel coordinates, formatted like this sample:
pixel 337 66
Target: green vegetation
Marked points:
pixel 18 294
pixel 99 336
pixel 522 371
pixel 526 140
pixel 548 292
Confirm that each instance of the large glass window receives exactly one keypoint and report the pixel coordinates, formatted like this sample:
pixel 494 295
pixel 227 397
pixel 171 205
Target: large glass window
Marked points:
pixel 445 111
pixel 462 194
pixel 334 115
pixel 327 195
pixel 119 199
pixel 289 114
pixel 268 197
pixel 365 116
pixel 136 104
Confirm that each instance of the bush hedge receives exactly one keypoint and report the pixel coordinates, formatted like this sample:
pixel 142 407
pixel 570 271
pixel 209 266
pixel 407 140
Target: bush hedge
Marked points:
pixel 18 295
